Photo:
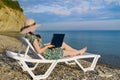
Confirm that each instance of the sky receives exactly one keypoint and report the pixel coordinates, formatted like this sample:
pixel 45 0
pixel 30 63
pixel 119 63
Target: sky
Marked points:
pixel 73 14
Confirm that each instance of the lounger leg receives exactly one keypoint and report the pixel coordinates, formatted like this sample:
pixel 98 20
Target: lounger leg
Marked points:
pixel 95 59
pixel 47 73
pixel 33 68
pixel 27 68
pixel 38 77
pixel 80 66
pixel 52 66
pixel 23 68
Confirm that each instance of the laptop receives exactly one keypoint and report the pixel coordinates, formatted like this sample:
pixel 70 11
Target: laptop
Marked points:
pixel 57 40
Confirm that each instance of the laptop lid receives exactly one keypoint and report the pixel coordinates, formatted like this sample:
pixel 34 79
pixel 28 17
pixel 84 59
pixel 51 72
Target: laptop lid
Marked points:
pixel 57 40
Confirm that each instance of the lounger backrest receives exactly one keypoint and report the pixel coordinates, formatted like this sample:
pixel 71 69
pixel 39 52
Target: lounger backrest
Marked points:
pixel 27 43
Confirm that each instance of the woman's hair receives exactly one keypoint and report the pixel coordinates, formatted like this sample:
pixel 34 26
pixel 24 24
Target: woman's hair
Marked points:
pixel 37 35
pixel 31 33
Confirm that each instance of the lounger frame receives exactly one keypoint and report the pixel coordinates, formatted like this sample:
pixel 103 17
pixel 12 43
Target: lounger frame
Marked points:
pixel 22 58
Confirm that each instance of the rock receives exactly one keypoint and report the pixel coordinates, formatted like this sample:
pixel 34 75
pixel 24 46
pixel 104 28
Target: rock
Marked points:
pixel 105 72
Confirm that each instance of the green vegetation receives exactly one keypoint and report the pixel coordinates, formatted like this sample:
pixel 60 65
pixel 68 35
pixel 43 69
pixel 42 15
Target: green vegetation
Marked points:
pixel 1 4
pixel 10 3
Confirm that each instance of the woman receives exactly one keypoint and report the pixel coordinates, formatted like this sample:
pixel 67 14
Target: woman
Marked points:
pixel 46 50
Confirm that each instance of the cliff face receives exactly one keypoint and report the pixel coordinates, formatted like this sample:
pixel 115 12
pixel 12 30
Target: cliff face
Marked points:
pixel 11 16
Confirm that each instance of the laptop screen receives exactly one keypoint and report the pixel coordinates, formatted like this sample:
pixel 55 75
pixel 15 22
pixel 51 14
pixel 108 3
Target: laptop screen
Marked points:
pixel 57 40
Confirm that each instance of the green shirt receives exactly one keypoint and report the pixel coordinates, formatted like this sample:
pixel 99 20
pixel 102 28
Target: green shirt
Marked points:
pixel 54 53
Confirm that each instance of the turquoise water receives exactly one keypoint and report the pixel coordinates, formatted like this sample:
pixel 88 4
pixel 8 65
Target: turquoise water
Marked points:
pixel 105 43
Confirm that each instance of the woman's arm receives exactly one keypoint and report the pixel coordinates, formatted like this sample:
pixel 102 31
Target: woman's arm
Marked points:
pixel 47 44
pixel 38 49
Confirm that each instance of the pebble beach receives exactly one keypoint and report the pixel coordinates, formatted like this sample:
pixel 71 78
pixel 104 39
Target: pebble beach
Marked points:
pixel 10 69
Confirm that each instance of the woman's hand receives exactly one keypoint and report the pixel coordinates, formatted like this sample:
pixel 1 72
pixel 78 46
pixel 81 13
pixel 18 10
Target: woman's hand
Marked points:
pixel 49 45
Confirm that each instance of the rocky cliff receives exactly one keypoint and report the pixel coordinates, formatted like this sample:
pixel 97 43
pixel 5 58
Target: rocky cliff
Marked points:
pixel 11 16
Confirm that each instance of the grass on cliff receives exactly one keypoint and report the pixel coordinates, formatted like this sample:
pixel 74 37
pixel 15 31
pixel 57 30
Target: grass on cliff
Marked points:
pixel 10 3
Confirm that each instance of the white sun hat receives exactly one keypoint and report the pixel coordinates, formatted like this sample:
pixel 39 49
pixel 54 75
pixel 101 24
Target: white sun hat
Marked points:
pixel 29 26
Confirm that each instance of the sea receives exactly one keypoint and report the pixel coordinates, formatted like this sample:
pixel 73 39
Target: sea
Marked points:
pixel 103 42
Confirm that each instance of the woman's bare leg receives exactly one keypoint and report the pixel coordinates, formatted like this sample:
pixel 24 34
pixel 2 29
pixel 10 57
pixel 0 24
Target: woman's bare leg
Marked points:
pixel 82 51
pixel 67 47
pixel 74 52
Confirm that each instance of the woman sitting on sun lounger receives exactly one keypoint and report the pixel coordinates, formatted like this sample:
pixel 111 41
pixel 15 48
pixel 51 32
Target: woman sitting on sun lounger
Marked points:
pixel 44 49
